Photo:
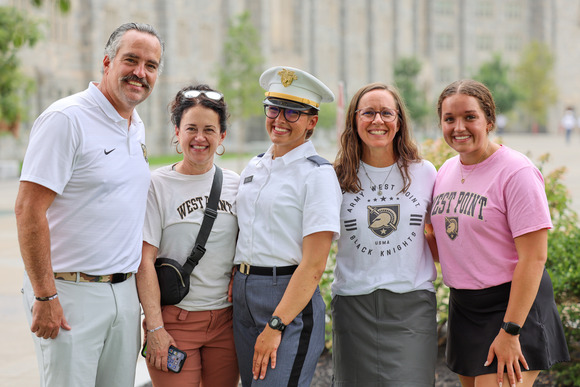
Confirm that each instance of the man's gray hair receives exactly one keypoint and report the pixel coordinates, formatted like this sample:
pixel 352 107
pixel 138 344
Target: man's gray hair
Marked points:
pixel 114 42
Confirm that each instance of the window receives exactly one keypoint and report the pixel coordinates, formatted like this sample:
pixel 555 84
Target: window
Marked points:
pixel 513 43
pixel 484 42
pixel 514 10
pixel 445 75
pixel 443 7
pixel 484 8
pixel 444 41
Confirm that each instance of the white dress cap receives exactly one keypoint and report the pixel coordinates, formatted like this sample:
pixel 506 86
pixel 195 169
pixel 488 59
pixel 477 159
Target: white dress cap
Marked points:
pixel 288 83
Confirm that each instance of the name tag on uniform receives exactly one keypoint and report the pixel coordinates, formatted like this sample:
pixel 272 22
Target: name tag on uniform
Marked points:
pixel 248 179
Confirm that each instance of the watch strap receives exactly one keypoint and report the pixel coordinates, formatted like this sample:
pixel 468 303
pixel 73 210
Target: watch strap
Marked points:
pixel 276 323
pixel 511 328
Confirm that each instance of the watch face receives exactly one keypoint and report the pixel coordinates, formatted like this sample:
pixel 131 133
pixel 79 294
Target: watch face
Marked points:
pixel 511 328
pixel 276 323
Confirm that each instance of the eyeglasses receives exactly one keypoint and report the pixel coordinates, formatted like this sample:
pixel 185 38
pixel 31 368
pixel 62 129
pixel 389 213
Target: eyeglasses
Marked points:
pixel 290 115
pixel 216 96
pixel 368 115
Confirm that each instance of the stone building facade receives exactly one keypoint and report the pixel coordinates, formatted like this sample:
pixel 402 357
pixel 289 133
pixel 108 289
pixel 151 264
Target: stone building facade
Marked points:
pixel 352 42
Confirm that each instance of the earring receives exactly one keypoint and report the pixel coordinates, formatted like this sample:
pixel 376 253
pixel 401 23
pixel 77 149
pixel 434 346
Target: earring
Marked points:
pixel 223 150
pixel 177 149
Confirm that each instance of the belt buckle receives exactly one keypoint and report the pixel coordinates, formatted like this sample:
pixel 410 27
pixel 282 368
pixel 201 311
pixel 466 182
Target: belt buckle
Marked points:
pixel 245 268
pixel 116 278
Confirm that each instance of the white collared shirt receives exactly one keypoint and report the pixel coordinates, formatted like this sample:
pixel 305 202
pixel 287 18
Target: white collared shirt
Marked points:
pixel 282 200
pixel 82 149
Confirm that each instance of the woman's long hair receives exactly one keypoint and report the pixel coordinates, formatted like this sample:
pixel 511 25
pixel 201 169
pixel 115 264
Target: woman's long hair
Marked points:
pixel 351 147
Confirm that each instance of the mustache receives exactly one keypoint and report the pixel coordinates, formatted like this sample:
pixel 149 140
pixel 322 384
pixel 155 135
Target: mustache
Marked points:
pixel 135 78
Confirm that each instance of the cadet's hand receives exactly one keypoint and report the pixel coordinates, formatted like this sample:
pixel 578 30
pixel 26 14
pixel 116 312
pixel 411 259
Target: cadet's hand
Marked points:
pixel 265 351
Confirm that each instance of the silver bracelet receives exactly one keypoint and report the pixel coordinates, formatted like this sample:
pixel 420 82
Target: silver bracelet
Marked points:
pixel 49 298
pixel 155 329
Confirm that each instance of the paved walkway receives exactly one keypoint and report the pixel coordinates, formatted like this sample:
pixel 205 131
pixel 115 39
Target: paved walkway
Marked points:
pixel 17 360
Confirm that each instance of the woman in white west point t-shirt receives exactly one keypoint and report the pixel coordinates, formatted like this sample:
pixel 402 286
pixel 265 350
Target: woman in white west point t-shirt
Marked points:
pixel 201 324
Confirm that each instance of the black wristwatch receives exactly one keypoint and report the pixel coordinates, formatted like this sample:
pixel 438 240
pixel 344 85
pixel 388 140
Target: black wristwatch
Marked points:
pixel 511 328
pixel 276 323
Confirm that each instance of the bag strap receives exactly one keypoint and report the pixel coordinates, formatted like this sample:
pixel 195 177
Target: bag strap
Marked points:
pixel 207 223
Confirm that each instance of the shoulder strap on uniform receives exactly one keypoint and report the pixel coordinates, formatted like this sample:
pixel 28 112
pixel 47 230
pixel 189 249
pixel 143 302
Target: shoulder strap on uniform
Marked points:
pixel 318 160
pixel 261 154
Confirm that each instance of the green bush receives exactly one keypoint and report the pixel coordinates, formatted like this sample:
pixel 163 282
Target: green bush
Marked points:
pixel 564 267
pixel 325 283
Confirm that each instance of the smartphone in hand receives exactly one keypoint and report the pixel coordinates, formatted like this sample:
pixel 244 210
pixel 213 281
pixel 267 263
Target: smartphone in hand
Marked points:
pixel 175 358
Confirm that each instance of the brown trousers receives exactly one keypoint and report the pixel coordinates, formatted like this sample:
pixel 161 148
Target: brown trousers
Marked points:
pixel 207 338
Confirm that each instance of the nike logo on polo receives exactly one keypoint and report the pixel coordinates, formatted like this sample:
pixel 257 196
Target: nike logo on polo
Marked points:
pixel 107 152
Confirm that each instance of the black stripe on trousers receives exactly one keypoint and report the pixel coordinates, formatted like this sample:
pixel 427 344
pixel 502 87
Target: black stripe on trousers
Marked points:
pixel 308 321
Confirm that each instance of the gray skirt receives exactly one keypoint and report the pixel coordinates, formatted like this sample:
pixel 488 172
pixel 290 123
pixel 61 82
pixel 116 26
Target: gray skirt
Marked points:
pixel 384 339
pixel 475 318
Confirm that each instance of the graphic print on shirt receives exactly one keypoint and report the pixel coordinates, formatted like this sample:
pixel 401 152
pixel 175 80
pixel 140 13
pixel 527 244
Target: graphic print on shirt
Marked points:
pixel 384 219
pixel 200 202
pixel 452 226
pixel 458 203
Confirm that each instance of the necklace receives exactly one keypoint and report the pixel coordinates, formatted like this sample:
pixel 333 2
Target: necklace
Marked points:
pixel 475 165
pixel 380 192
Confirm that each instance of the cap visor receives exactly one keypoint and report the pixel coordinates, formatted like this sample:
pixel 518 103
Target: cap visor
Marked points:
pixel 286 104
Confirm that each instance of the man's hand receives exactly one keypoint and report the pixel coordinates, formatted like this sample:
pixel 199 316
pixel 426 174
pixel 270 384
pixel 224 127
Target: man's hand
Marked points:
pixel 47 319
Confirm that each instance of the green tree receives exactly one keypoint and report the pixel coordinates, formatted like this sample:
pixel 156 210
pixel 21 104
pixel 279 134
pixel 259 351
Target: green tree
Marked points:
pixel 64 5
pixel 242 67
pixel 495 75
pixel 406 73
pixel 18 30
pixel 238 76
pixel 327 116
pixel 535 83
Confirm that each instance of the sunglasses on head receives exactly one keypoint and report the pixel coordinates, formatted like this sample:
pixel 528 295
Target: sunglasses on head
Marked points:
pixel 216 96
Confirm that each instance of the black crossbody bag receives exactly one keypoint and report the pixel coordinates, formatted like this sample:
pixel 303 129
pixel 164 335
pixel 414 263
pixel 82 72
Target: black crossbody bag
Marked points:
pixel 174 278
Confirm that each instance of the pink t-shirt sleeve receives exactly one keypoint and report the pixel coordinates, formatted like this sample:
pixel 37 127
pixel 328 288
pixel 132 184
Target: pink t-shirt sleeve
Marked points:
pixel 527 205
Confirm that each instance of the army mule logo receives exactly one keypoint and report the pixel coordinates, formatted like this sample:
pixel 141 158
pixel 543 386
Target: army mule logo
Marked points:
pixel 287 77
pixel 383 220
pixel 452 226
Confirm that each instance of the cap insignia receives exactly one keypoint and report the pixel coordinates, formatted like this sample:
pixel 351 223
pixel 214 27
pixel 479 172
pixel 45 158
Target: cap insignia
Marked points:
pixel 287 77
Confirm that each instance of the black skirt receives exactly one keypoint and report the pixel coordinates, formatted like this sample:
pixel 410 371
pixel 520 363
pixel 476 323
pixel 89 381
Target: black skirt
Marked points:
pixel 475 318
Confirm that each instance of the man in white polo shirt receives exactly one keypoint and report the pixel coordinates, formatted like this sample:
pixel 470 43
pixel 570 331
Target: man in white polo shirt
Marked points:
pixel 80 211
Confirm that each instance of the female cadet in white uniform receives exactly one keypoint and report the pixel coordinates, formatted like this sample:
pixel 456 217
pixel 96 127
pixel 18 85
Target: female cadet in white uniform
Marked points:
pixel 288 214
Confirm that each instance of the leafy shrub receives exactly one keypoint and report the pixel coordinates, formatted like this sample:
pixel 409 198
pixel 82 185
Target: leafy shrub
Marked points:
pixel 563 264
pixel 325 291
